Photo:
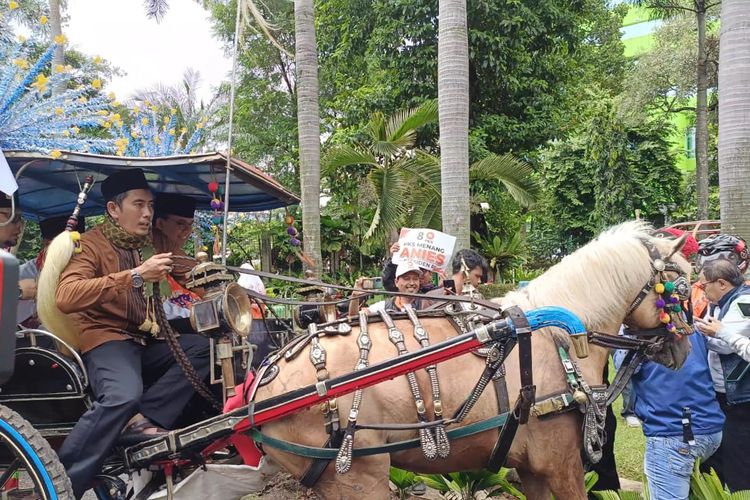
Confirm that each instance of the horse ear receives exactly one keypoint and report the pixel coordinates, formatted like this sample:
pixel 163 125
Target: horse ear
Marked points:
pixel 677 244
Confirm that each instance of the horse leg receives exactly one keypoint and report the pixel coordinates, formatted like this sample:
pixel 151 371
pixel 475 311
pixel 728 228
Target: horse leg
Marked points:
pixel 566 482
pixel 534 485
pixel 368 478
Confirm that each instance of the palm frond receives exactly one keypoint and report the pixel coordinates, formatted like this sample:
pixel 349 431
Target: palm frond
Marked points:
pixel 250 13
pixel 391 191
pixel 515 175
pixel 156 9
pixel 376 127
pixel 424 168
pixel 407 121
pixel 345 156
pixel 426 210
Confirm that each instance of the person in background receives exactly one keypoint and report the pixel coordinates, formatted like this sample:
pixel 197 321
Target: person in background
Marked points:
pixel 727 328
pixel 408 278
pixel 717 246
pixel 10 232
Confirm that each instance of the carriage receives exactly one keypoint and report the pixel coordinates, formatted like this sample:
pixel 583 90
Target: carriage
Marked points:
pixel 49 388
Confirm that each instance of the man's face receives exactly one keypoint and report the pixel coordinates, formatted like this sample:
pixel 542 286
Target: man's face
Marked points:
pixel 714 289
pixel 408 282
pixel 176 227
pixel 476 276
pixel 9 233
pixel 135 214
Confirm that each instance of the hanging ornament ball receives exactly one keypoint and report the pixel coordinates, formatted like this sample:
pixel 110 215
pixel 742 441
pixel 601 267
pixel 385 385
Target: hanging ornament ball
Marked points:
pixel 669 287
pixel 289 220
pixel 215 204
pixel 295 242
pixel 659 288
pixel 221 205
pixel 217 219
pixel 677 308
pixel 291 231
pixel 664 318
pixel 213 186
pixel 221 191
pixel 660 303
pixel 670 327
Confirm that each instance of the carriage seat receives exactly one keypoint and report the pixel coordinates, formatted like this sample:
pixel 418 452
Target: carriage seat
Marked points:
pixel 48 388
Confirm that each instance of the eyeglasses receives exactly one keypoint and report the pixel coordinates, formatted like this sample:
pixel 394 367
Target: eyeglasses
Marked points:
pixel 702 285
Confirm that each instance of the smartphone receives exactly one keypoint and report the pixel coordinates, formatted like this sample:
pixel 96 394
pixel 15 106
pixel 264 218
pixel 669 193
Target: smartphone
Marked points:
pixel 450 285
pixel 372 283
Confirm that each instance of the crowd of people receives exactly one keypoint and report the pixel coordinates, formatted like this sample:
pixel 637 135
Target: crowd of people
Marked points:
pixel 699 412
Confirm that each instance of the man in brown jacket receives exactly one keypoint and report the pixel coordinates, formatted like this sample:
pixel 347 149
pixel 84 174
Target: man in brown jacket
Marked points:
pixel 133 375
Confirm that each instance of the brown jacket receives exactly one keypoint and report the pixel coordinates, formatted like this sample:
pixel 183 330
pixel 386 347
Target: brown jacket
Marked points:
pixel 94 290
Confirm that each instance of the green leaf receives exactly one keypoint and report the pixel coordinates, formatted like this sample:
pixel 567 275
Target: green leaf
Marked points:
pixel 344 156
pixel 516 176
pixel 406 122
pixel 390 188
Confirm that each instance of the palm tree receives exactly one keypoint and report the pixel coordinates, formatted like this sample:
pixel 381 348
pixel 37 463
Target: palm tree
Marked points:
pixel 55 22
pixel 734 116
pixel 308 127
pixel 407 180
pixel 699 8
pixel 453 99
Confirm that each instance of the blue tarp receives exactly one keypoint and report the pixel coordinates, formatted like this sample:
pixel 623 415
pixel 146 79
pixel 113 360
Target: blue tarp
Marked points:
pixel 49 187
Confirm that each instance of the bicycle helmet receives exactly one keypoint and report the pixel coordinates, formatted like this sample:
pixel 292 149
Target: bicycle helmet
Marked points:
pixel 725 246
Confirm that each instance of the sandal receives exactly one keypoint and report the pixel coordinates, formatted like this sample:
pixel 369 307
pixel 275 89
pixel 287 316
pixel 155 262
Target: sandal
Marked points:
pixel 139 430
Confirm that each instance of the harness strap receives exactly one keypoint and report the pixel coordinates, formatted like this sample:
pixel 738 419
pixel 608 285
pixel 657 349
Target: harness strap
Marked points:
pixel 344 457
pixel 328 454
pixel 441 439
pixel 429 447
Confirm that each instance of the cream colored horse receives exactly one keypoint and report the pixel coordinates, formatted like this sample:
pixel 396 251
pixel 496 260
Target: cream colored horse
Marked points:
pixel 598 283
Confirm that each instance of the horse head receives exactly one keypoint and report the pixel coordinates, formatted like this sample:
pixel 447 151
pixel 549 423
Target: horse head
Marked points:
pixel 656 314
pixel 621 278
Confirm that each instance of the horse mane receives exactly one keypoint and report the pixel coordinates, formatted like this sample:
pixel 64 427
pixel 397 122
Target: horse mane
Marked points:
pixel 598 280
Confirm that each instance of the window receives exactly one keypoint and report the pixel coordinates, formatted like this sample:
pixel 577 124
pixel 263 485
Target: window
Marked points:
pixel 690 142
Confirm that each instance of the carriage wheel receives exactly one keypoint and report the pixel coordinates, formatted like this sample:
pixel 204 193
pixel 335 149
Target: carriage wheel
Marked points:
pixel 30 468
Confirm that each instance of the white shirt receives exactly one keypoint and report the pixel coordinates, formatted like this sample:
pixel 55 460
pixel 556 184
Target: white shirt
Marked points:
pixel 250 281
pixel 732 338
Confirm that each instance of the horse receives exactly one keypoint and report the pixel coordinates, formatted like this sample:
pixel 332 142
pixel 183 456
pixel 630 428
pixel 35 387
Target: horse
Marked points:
pixel 599 283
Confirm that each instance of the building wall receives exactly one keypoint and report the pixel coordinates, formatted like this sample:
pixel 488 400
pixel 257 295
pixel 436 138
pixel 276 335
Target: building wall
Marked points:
pixel 637 36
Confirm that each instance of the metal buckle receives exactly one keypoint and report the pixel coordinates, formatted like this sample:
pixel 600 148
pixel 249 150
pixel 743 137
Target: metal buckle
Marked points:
pixel 568 366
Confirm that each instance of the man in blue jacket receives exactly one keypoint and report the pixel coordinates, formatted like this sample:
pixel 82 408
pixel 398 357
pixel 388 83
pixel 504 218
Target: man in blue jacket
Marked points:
pixel 727 327
pixel 681 419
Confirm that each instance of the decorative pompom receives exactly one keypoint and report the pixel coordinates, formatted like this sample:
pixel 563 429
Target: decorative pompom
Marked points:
pixel 217 219
pixel 659 288
pixel 289 220
pixel 671 328
pixel 221 191
pixel 295 242
pixel 213 186
pixel 660 303
pixel 291 231
pixel 677 308
pixel 75 236
pixel 664 318
pixel 674 299
pixel 215 204
pixel 669 287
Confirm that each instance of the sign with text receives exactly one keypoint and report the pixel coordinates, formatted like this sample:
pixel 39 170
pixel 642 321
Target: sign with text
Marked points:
pixel 427 248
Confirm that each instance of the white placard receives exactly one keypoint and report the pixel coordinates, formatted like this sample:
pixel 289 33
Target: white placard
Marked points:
pixel 427 248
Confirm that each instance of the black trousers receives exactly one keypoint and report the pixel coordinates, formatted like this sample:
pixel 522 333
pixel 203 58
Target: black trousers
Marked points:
pixel 732 459
pixel 607 468
pixel 118 373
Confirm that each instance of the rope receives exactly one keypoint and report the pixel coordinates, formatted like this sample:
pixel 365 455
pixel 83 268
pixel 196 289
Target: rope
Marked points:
pixel 179 355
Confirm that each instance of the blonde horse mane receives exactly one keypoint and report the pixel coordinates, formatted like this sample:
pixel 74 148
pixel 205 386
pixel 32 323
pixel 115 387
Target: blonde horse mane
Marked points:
pixel 59 253
pixel 595 281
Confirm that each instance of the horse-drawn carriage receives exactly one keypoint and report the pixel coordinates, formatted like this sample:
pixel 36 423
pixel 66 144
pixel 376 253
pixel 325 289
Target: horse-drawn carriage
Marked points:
pixel 350 368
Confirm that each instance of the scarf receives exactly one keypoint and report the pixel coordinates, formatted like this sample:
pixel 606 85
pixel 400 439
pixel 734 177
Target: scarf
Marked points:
pixel 142 299
pixel 123 239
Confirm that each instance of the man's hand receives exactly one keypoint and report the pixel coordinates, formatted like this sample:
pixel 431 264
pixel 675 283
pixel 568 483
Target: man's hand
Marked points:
pixel 708 326
pixel 395 248
pixel 28 289
pixel 156 268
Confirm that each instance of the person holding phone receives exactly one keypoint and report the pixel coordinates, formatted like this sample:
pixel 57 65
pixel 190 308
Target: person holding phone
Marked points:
pixel 727 330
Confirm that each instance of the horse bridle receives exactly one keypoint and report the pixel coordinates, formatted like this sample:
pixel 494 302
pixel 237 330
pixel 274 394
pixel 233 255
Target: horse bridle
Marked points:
pixel 649 340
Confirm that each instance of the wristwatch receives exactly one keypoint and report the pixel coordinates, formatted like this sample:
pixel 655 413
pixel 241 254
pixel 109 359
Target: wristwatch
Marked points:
pixel 137 279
